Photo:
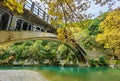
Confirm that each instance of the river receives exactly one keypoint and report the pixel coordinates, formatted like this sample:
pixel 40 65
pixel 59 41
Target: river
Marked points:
pixel 57 73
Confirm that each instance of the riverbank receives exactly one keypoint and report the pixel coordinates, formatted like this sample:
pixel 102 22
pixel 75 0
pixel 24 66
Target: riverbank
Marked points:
pixel 20 75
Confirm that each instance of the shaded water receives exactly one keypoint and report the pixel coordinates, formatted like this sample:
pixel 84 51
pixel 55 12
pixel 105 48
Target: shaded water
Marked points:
pixel 57 73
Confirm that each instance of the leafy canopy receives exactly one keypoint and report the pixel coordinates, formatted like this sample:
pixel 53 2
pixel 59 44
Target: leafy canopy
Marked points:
pixel 110 35
pixel 13 5
pixel 66 11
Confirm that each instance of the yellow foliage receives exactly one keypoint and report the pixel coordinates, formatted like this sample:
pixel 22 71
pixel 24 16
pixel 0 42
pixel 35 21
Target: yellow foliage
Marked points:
pixel 110 28
pixel 59 9
pixel 69 33
pixel 61 47
pixel 47 47
pixel 13 5
pixel 61 33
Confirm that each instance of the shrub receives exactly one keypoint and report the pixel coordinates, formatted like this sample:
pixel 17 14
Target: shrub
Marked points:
pixel 97 62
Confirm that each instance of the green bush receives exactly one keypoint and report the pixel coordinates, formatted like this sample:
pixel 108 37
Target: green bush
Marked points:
pixel 97 62
pixel 21 62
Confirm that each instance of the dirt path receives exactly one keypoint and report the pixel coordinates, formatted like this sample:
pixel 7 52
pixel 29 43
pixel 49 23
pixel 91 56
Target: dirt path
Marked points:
pixel 20 75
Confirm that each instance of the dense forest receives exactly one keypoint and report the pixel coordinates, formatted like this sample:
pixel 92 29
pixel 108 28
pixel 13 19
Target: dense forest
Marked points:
pixel 99 37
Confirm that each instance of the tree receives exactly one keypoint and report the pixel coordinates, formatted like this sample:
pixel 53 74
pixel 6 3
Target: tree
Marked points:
pixel 69 33
pixel 110 35
pixel 12 5
pixel 6 55
pixel 91 32
pixel 65 11
pixel 69 11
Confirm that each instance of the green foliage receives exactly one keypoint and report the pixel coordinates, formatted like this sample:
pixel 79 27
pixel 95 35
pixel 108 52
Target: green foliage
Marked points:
pixel 85 23
pixel 21 62
pixel 93 27
pixel 89 39
pixel 44 52
pixel 6 55
pixel 97 62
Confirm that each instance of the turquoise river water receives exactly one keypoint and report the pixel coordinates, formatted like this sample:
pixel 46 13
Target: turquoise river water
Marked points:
pixel 57 73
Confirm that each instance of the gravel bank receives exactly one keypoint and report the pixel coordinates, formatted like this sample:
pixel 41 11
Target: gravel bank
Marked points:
pixel 20 75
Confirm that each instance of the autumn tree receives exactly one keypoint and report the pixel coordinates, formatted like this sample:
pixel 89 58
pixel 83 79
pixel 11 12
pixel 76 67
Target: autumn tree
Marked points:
pixel 110 35
pixel 12 5
pixel 65 11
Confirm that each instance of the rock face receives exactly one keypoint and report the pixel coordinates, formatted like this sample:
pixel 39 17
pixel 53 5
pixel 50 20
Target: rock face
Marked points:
pixel 20 75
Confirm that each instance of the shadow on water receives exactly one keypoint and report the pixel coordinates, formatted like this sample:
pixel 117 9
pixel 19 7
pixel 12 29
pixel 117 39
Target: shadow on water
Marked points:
pixel 57 73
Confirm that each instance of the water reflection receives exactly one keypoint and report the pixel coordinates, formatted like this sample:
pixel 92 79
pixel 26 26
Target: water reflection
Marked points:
pixel 57 73
pixel 81 74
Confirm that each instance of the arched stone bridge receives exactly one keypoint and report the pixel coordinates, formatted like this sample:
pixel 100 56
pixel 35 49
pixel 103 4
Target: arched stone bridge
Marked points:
pixel 14 36
pixel 21 28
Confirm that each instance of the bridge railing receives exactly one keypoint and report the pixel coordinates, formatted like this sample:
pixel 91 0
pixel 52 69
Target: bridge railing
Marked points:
pixel 36 9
